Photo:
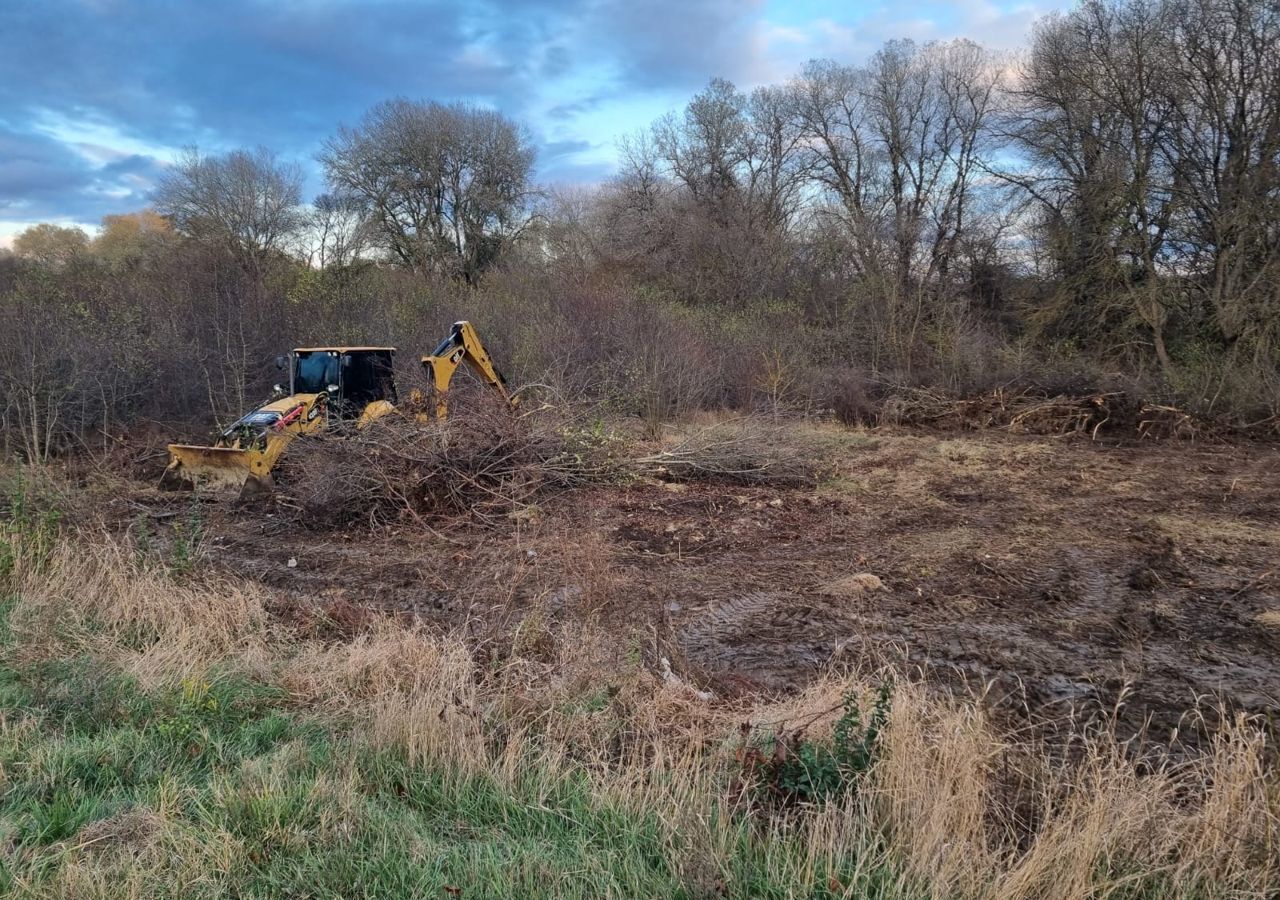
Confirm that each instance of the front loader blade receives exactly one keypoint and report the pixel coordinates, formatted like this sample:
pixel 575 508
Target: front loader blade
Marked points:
pixel 214 469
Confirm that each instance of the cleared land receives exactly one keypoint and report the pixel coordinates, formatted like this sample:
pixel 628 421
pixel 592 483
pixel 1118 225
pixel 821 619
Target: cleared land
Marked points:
pixel 1056 575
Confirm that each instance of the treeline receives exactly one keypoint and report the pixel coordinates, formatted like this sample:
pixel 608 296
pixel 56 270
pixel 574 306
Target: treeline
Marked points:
pixel 1104 205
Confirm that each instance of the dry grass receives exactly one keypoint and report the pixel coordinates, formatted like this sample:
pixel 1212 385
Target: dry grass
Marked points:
pixel 415 691
pixel 937 791
pixel 94 596
pixel 962 809
pixel 1220 529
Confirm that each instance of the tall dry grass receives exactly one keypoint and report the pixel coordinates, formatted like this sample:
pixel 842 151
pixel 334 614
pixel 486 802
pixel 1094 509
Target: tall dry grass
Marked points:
pixel 94 596
pixel 939 808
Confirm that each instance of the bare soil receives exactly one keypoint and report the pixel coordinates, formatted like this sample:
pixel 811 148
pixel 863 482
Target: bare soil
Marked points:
pixel 1134 582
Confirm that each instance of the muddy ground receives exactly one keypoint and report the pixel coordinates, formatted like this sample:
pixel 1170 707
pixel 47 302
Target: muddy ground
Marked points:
pixel 1136 581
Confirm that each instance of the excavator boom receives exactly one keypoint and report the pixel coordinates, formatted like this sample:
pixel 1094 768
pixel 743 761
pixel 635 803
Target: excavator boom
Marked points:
pixel 462 345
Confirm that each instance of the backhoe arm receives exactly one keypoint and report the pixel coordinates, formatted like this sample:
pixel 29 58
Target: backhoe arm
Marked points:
pixel 462 344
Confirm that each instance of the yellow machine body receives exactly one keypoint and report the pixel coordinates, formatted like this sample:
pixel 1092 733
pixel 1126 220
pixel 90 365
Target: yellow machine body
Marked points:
pixel 348 384
pixel 245 454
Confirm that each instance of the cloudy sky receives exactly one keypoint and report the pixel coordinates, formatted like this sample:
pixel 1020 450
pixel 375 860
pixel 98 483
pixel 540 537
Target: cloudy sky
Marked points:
pixel 96 96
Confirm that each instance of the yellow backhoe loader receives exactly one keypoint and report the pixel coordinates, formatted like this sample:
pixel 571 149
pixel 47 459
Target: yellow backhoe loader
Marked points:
pixel 328 387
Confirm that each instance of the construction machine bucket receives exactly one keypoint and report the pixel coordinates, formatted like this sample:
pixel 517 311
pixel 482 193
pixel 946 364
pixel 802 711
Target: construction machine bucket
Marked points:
pixel 217 469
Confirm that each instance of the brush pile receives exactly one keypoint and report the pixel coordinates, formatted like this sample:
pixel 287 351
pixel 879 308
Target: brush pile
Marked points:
pixel 492 465
pixel 485 463
pixel 750 451
pixel 1024 411
pixel 1029 411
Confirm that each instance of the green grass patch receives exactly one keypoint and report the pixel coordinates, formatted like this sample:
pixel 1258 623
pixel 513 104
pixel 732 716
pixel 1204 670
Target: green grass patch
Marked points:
pixel 219 787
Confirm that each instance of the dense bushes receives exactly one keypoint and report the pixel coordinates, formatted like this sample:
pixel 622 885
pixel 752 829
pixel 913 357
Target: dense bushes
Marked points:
pixel 185 337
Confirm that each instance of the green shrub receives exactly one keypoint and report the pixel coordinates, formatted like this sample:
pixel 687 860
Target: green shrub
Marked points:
pixel 187 538
pixel 815 771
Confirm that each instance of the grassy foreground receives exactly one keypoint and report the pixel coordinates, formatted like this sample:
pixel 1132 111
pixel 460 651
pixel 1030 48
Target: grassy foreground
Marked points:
pixel 162 735
pixel 214 789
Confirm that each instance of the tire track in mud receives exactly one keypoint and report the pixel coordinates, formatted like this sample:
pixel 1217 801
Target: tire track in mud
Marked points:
pixel 773 640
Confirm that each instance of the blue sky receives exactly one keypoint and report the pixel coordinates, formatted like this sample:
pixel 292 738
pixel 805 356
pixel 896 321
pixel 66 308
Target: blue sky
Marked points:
pixel 97 96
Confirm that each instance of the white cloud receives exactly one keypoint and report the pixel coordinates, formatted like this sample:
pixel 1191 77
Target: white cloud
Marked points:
pixel 99 141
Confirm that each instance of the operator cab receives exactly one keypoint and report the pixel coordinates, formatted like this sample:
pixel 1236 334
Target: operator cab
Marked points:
pixel 351 377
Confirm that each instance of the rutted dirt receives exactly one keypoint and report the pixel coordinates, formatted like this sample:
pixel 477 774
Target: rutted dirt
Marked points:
pixel 1056 574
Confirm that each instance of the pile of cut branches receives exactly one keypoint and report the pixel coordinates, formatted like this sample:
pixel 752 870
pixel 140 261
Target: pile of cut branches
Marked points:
pixel 1157 421
pixel 1026 411
pixel 750 451
pixel 488 463
pixel 919 407
pixel 1063 415
pixel 1029 411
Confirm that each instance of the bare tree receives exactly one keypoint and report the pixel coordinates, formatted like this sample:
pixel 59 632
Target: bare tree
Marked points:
pixel 775 167
pixel 247 200
pixel 633 206
pixel 736 155
pixel 968 78
pixel 710 192
pixel 569 229
pixel 704 146
pixel 829 100
pixel 641 177
pixel 896 148
pixel 1090 119
pixel 447 186
pixel 338 231
pixel 1222 89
